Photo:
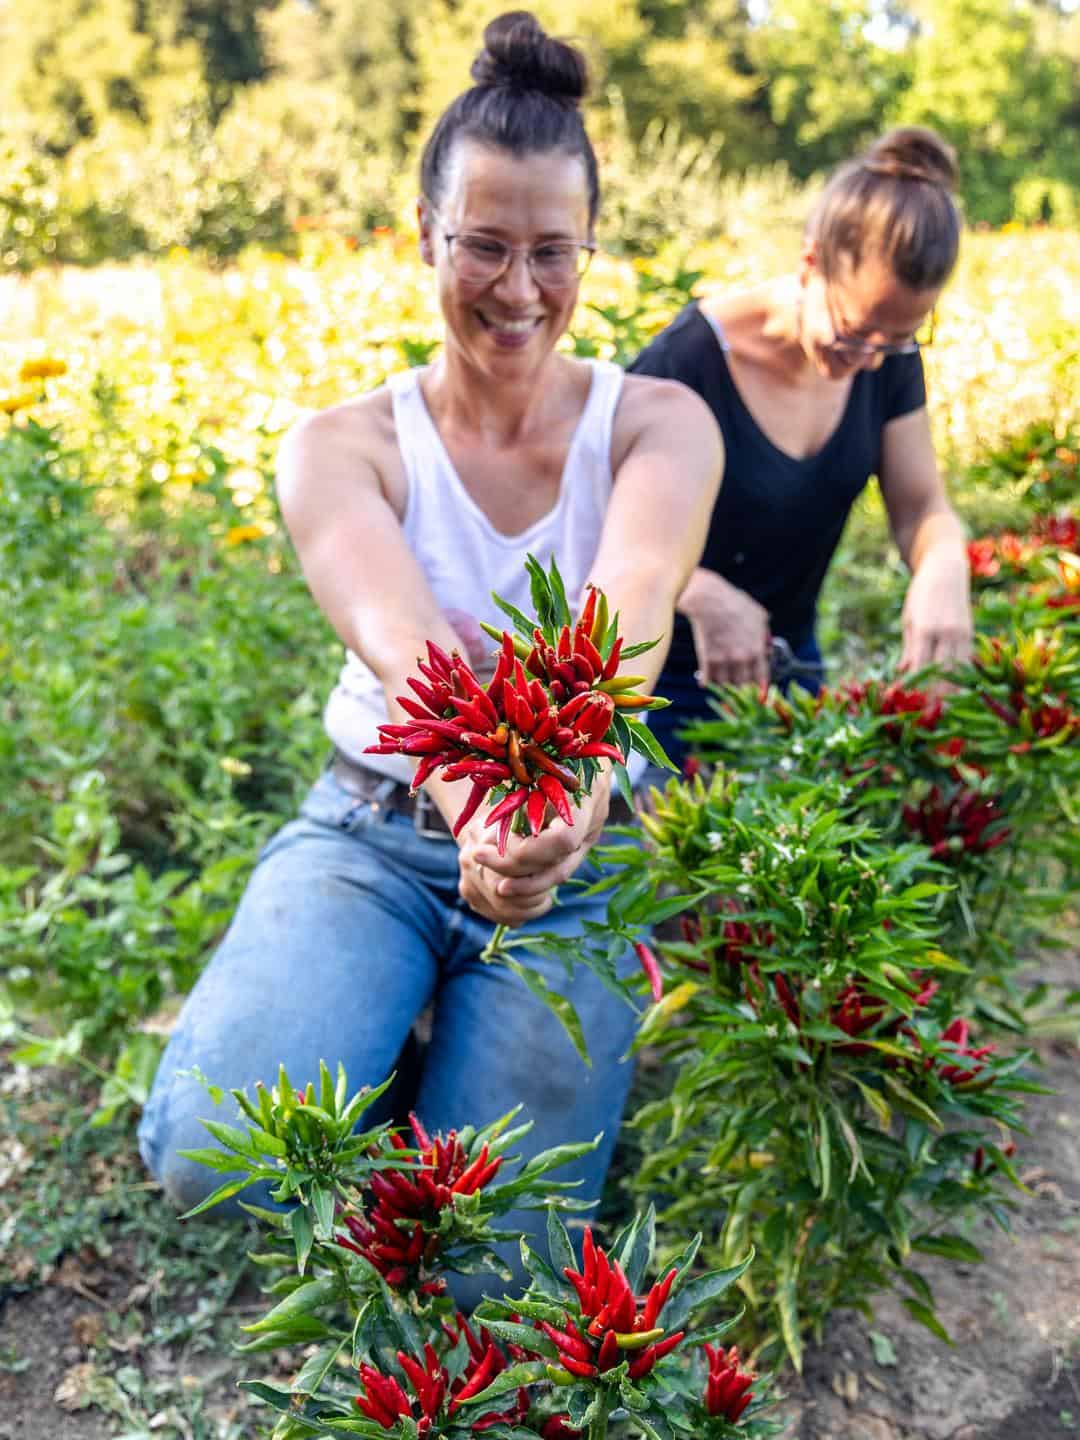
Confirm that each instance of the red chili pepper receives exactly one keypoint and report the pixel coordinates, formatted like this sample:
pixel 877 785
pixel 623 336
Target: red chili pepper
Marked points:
pixel 657 1299
pixel 581 1368
pixel 590 653
pixel 612 664
pixel 545 726
pixel 566 778
pixel 476 741
pixel 572 1345
pixel 565 671
pixel 463 1185
pixel 609 1355
pixel 507 806
pixel 480 1379
pixel 469 809
pixel 537 810
pixel 573 707
pixel 643 1363
pixel 648 962
pixel 595 750
pixel 588 612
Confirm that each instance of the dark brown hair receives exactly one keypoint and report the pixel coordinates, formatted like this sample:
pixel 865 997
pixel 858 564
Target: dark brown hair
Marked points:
pixel 526 100
pixel 895 201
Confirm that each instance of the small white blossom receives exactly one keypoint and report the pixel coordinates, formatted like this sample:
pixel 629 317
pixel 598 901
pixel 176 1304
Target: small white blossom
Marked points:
pixel 839 737
pixel 786 763
pixel 714 839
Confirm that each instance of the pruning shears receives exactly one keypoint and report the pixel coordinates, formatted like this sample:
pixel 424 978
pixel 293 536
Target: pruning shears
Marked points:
pixel 784 664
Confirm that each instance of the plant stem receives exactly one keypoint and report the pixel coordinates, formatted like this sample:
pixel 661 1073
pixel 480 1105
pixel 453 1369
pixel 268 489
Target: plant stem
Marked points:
pixel 598 1427
pixel 494 948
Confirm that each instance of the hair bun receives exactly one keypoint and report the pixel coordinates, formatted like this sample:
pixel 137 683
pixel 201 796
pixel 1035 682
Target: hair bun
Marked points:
pixel 912 152
pixel 519 55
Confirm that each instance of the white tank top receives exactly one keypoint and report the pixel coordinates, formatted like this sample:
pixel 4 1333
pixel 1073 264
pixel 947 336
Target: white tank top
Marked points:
pixel 462 554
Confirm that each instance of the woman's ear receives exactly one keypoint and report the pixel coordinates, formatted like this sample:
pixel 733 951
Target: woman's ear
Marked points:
pixel 808 260
pixel 425 220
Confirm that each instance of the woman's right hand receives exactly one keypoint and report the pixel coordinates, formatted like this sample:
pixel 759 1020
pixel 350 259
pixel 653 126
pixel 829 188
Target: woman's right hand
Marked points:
pixel 730 629
pixel 518 886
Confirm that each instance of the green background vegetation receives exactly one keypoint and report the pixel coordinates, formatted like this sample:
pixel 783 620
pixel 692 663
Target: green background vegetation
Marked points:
pixel 139 125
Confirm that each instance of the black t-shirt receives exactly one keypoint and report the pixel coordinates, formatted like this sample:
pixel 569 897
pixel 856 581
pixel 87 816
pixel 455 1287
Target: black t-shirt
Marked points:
pixel 778 520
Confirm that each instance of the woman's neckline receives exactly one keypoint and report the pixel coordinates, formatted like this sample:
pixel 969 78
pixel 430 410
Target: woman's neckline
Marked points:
pixel 503 537
pixel 723 344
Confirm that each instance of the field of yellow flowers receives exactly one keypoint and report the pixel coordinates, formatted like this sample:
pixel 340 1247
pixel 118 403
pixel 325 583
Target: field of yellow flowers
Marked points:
pixel 145 365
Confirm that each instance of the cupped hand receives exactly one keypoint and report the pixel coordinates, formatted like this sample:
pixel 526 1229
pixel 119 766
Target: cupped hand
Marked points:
pixel 937 621
pixel 730 630
pixel 518 886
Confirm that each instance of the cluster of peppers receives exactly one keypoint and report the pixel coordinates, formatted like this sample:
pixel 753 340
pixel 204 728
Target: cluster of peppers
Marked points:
pixel 962 823
pixel 397 1234
pixel 434 1398
pixel 613 1328
pixel 856 1012
pixel 727 1390
pixel 525 736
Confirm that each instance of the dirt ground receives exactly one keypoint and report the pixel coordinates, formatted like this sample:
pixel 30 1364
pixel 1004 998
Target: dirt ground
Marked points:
pixel 127 1333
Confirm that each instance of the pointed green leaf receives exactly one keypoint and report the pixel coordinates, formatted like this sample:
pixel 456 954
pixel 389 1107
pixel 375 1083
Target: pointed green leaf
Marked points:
pixel 223 1192
pixel 560 1250
pixel 925 1316
pixel 558 1004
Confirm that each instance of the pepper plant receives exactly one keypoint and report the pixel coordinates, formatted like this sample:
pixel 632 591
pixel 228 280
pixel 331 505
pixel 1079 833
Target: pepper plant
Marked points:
pixel 826 1094
pixel 376 1223
pixel 985 774
pixel 368 1211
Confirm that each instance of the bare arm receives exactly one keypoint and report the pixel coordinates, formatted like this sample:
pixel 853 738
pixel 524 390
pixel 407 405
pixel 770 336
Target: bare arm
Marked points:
pixel 937 609
pixel 351 548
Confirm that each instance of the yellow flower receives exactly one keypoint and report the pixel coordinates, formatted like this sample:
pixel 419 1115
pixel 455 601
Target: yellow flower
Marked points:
pixel 12 404
pixel 44 368
pixel 241 534
pixel 232 766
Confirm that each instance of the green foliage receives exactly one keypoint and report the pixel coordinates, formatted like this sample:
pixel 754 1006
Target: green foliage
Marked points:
pixel 980 75
pixel 178 122
pixel 142 753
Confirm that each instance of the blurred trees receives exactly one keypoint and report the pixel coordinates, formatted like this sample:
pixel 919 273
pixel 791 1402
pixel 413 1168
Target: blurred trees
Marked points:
pixel 259 113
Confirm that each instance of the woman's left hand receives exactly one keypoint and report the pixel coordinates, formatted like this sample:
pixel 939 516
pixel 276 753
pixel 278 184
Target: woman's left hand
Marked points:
pixel 937 620
pixel 516 887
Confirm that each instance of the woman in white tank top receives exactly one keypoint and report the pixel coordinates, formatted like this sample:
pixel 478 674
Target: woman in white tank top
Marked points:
pixel 407 506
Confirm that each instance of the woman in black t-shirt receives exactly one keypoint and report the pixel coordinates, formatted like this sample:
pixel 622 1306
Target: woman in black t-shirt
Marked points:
pixel 817 383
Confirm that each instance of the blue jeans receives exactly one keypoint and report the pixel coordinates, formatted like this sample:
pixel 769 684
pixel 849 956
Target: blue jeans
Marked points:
pixel 350 926
pixel 689 701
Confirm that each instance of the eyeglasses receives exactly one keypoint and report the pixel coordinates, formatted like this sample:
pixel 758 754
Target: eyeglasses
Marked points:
pixel 844 343
pixel 482 259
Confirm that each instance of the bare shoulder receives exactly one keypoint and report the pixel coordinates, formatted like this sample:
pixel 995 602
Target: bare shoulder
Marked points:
pixel 650 407
pixel 339 437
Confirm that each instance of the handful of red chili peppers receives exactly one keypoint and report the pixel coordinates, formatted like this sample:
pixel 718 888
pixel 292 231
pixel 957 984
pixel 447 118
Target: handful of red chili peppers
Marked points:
pixel 532 739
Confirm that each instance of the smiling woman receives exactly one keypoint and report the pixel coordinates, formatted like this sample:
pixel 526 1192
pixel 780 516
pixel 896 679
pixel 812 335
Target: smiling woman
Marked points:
pixel 816 382
pixel 408 508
